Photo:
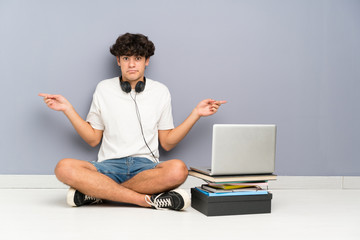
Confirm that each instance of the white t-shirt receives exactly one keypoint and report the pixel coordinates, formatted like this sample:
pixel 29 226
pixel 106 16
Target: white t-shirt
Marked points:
pixel 113 111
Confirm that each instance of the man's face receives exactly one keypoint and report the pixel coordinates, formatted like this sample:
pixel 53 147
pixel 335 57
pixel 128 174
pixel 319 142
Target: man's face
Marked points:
pixel 132 67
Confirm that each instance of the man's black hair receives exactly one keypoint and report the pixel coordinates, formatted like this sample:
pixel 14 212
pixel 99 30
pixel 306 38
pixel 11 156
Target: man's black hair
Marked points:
pixel 133 45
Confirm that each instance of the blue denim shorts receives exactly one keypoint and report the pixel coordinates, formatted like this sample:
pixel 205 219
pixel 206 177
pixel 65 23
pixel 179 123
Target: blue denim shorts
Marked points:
pixel 122 169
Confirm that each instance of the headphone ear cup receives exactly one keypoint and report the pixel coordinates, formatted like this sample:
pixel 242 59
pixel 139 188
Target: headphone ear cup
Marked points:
pixel 125 86
pixel 140 86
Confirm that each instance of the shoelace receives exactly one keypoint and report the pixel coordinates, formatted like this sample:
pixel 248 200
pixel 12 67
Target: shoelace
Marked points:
pixel 90 198
pixel 161 203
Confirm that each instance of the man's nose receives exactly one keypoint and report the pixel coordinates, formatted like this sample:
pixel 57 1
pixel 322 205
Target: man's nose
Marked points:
pixel 131 62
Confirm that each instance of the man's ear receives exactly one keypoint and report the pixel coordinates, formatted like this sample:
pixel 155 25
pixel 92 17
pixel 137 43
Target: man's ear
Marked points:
pixel 147 61
pixel 118 60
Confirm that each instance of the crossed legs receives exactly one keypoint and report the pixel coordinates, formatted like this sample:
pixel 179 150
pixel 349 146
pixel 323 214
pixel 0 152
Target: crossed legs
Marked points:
pixel 84 177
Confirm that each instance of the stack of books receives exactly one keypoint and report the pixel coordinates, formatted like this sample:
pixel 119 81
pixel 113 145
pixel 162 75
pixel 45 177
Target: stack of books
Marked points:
pixel 228 195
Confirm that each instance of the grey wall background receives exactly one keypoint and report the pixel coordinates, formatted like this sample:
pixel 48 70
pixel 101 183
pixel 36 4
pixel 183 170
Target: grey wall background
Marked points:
pixel 292 63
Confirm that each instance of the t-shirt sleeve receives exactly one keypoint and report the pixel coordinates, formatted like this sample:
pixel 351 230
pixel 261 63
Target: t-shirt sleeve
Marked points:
pixel 166 121
pixel 94 115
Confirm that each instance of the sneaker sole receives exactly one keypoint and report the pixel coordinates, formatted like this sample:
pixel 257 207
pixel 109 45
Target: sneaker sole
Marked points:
pixel 185 196
pixel 70 197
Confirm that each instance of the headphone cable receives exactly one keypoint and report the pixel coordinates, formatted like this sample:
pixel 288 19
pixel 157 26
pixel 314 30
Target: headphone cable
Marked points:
pixel 141 127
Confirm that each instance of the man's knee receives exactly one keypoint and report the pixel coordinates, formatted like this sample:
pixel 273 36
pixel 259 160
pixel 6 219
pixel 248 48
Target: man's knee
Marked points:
pixel 67 170
pixel 177 172
pixel 63 170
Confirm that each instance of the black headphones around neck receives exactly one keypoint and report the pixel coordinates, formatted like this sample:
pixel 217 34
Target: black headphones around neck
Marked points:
pixel 126 87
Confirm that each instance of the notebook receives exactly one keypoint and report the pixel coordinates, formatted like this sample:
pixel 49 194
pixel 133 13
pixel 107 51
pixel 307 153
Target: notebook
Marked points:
pixel 242 149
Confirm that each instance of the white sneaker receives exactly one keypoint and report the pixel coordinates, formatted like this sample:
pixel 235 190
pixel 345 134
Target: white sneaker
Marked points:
pixel 177 199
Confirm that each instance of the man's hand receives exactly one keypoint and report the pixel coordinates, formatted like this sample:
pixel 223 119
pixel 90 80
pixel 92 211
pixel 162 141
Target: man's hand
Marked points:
pixel 208 107
pixel 56 102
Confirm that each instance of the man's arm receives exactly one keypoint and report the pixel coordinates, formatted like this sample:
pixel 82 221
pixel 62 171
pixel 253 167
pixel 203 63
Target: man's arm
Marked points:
pixel 84 129
pixel 170 138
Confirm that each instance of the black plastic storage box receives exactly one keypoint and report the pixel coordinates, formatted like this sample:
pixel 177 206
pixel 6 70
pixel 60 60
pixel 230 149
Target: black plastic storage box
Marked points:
pixel 230 205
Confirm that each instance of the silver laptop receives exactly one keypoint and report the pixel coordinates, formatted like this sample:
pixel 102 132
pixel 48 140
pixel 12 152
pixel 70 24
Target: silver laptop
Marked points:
pixel 242 149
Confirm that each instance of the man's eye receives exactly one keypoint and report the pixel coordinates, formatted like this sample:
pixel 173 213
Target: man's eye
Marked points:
pixel 138 58
pixel 125 58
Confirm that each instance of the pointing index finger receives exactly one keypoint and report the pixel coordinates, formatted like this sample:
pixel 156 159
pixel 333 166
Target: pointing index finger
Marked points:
pixel 45 95
pixel 221 102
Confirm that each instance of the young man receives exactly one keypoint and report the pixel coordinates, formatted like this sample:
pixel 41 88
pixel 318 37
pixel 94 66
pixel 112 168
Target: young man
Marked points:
pixel 129 115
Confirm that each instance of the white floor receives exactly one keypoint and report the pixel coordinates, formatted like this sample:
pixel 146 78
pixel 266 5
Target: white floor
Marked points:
pixel 296 214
